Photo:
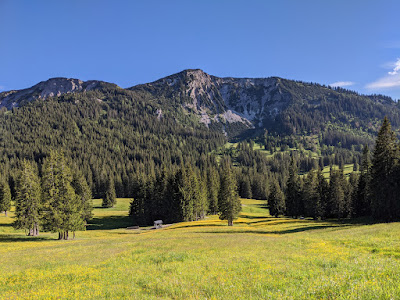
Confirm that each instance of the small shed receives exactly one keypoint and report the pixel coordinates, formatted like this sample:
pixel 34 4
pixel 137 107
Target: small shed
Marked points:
pixel 158 224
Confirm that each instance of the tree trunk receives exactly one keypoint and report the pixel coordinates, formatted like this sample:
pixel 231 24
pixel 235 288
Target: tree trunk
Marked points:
pixel 230 222
pixel 73 235
pixel 36 230
pixel 5 212
pixel 60 236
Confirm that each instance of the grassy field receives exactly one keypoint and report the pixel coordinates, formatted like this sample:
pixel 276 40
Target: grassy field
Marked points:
pixel 346 170
pixel 260 257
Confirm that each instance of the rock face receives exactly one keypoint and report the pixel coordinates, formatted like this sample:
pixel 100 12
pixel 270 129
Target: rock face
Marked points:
pixel 50 88
pixel 245 100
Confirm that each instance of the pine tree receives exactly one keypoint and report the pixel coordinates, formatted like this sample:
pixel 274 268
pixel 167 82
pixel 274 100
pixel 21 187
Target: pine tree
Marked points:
pixel 245 188
pixel 186 193
pixel 203 201
pixel 197 196
pixel 82 190
pixel 336 201
pixel 63 209
pixel 276 199
pixel 385 202
pixel 109 199
pixel 5 197
pixel 173 194
pixel 311 195
pixel 362 192
pixel 323 192
pixel 137 209
pixel 229 204
pixel 348 186
pixel 159 196
pixel 213 182
pixel 28 201
pixel 293 191
pixel 352 186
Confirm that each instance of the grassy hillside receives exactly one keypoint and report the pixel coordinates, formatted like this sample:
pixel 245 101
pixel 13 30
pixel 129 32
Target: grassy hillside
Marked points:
pixel 260 257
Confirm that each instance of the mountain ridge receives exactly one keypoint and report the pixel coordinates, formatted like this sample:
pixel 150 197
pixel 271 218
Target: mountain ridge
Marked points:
pixel 235 105
pixel 53 87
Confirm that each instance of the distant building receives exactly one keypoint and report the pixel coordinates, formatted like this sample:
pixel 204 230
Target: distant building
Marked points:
pixel 158 224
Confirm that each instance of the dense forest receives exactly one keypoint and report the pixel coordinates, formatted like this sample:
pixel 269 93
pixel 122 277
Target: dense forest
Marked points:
pixel 370 192
pixel 146 145
pixel 113 140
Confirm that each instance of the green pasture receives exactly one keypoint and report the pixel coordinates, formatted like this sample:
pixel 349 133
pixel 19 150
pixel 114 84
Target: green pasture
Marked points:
pixel 260 257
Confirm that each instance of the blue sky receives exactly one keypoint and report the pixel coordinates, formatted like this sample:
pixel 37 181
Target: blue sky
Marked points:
pixel 353 43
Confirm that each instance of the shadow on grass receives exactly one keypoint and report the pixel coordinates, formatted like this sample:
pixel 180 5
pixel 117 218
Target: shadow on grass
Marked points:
pixel 282 232
pixel 6 225
pixel 261 205
pixel 196 225
pixel 267 221
pixel 9 238
pixel 111 222
pixel 246 216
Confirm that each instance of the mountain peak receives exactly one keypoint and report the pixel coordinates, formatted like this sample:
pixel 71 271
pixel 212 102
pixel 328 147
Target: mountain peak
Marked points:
pixel 52 87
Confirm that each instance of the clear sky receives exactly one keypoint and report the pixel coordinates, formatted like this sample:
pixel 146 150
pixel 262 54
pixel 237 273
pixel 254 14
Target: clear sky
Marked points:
pixel 352 43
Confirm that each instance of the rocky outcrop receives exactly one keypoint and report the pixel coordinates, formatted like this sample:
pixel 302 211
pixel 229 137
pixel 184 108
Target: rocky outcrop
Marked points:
pixel 49 88
pixel 234 100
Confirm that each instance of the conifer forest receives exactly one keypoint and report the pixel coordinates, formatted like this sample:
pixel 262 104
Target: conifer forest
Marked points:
pixel 59 152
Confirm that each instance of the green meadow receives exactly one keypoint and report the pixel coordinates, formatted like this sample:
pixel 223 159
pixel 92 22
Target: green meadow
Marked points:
pixel 260 257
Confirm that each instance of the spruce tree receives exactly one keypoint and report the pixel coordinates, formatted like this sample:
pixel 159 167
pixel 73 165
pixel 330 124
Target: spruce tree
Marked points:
pixel 159 196
pixel 362 192
pixel 203 201
pixel 174 196
pixel 351 190
pixel 185 186
pixel 84 193
pixel 323 192
pixel 276 199
pixel 5 197
pixel 63 211
pixel 348 187
pixel 109 199
pixel 385 202
pixel 245 188
pixel 229 204
pixel 336 201
pixel 197 196
pixel 28 201
pixel 293 191
pixel 311 195
pixel 137 209
pixel 213 181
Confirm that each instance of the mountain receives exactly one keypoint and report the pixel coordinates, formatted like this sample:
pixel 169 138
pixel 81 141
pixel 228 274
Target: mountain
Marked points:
pixel 53 87
pixel 133 134
pixel 228 100
pixel 276 104
pixel 237 106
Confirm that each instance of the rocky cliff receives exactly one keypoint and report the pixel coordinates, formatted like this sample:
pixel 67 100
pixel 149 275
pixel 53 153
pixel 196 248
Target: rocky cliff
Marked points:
pixel 50 88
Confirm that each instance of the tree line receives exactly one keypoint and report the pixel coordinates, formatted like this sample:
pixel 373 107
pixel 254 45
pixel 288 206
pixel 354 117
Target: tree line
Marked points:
pixel 187 194
pixel 52 197
pixel 370 192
